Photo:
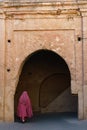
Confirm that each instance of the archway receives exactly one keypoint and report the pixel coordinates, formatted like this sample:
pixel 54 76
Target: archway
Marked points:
pixel 46 77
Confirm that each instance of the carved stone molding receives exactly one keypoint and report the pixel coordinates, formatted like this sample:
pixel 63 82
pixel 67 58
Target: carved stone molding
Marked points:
pixel 11 8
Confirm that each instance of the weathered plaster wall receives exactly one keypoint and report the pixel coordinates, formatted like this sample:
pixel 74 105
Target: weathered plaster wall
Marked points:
pixel 25 28
pixel 2 67
pixel 85 64
pixel 69 103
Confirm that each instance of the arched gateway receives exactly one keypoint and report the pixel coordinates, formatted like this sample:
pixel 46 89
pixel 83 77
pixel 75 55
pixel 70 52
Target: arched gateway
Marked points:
pixel 46 77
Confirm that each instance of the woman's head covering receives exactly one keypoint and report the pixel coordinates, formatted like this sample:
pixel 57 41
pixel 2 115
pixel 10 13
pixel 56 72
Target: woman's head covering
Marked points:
pixel 24 97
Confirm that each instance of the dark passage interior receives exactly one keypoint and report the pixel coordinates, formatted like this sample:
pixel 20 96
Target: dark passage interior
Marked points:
pixel 46 77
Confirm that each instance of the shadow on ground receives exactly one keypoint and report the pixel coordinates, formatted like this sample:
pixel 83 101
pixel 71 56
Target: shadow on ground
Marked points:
pixel 53 121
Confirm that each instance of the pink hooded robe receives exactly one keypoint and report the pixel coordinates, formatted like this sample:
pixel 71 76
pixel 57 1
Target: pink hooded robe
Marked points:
pixel 24 108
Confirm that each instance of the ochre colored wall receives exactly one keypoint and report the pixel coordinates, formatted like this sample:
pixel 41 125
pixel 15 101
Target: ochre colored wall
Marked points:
pixel 26 28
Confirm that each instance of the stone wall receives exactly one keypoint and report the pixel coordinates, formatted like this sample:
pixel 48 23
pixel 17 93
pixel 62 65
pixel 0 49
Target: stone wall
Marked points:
pixel 27 27
pixel 2 67
pixel 69 103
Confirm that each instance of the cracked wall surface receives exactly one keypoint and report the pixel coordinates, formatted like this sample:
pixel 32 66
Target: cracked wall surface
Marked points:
pixel 27 27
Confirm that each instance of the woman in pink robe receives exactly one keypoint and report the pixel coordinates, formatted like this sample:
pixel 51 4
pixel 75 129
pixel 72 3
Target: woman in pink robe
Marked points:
pixel 24 109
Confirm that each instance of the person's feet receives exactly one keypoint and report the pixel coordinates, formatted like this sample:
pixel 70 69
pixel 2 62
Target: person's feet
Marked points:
pixel 23 120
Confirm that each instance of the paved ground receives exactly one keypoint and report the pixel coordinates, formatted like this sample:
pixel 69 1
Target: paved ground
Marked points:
pixel 48 122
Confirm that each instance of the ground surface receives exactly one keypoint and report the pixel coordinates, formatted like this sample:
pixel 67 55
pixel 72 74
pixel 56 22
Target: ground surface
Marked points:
pixel 64 121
